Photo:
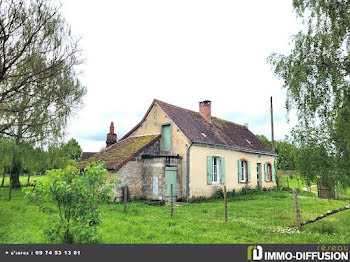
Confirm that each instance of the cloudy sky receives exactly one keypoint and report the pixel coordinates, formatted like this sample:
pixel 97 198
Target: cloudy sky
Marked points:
pixel 180 52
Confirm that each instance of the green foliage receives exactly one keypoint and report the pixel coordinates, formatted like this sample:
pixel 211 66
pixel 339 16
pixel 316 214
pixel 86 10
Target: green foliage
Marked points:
pixel 39 88
pixel 71 199
pixel 316 76
pixel 218 194
pixel 265 140
pixel 286 152
pixel 72 149
pixel 25 158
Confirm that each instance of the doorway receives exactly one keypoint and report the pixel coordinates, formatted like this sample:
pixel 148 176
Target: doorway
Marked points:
pixel 258 174
pixel 170 179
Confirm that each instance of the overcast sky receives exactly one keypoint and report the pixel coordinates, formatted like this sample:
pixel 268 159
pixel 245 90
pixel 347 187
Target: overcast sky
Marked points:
pixel 180 52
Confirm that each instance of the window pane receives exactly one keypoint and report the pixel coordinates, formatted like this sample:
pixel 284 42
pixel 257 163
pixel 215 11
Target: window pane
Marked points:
pixel 215 169
pixel 243 170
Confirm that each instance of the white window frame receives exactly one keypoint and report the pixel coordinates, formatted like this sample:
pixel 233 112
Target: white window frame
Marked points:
pixel 218 168
pixel 244 170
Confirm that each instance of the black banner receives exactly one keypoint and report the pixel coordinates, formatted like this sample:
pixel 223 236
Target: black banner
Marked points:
pixel 227 252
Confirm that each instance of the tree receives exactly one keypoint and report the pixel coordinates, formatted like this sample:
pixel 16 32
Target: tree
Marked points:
pixel 39 88
pixel 285 150
pixel 71 200
pixel 265 140
pixel 72 149
pixel 316 76
pixel 6 157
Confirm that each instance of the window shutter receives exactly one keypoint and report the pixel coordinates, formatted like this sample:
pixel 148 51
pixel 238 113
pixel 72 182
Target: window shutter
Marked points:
pixel 222 174
pixel 166 138
pixel 239 171
pixel 248 171
pixel 273 173
pixel 209 170
pixel 266 173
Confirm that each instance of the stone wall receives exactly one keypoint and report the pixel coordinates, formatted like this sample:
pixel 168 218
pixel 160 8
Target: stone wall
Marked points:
pixel 145 174
pixel 153 173
pixel 131 175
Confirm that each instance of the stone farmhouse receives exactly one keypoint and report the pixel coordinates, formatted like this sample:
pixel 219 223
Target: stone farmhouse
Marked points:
pixel 194 151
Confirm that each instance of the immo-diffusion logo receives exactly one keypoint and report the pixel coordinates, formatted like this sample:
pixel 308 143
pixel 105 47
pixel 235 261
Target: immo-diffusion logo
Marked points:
pixel 332 253
pixel 256 251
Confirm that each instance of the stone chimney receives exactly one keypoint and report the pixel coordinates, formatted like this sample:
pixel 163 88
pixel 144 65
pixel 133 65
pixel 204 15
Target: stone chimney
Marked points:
pixel 205 109
pixel 111 136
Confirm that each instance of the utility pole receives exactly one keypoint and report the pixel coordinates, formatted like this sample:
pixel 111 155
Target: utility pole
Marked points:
pixel 272 135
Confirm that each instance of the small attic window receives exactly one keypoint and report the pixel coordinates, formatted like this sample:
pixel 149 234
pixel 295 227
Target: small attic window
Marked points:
pixel 248 141
pixel 204 135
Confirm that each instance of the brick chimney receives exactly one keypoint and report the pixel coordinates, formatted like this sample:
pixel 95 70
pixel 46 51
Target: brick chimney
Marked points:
pixel 111 136
pixel 205 109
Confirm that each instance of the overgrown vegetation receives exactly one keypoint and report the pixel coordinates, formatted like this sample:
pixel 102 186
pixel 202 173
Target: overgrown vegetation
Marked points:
pixel 71 200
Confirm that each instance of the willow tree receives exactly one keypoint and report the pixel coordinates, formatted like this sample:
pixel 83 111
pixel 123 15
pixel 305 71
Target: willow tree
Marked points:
pixel 39 88
pixel 316 75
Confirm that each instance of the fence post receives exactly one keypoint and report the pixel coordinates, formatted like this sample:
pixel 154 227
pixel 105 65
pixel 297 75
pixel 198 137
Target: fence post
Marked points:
pixel 225 199
pixel 296 206
pixel 125 197
pixel 171 201
pixel 10 189
pixel 287 182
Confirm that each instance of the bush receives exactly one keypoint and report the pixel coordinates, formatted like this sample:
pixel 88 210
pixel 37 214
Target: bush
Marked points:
pixel 198 199
pixel 71 199
pixel 218 194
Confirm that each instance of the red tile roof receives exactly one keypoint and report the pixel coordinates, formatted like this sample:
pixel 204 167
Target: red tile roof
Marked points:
pixel 218 132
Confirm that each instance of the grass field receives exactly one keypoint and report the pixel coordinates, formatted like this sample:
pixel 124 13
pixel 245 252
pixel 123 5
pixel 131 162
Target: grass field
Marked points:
pixel 23 179
pixel 292 181
pixel 260 217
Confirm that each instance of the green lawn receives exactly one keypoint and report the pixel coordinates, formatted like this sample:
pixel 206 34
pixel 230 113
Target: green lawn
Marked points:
pixel 260 217
pixel 292 181
pixel 23 179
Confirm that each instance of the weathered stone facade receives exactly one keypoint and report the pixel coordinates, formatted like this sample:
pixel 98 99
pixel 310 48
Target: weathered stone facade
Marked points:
pixel 154 176
pixel 145 174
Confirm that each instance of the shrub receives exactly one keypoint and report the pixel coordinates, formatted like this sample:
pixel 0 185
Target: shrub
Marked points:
pixel 231 193
pixel 198 199
pixel 71 200
pixel 218 194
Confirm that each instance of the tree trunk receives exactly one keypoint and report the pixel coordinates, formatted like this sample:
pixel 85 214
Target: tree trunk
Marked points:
pixel 10 190
pixel 16 169
pixel 16 161
pixel 28 182
pixel 3 179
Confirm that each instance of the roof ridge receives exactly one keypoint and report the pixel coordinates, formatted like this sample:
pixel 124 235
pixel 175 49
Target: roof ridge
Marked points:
pixel 185 109
pixel 228 121
pixel 178 107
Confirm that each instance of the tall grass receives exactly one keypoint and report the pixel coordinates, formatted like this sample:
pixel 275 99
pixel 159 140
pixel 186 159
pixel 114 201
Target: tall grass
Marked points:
pixel 260 217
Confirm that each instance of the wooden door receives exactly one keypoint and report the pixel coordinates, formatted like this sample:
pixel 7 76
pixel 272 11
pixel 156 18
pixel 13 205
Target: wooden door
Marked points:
pixel 170 178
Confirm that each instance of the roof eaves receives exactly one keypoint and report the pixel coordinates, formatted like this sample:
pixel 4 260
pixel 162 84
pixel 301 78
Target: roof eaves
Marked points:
pixel 236 148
